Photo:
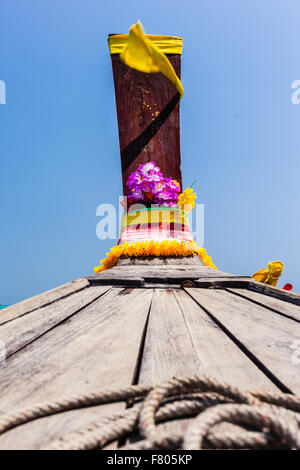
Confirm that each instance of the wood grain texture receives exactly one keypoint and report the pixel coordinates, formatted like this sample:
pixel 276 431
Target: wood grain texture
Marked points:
pixel 265 336
pixel 277 305
pixel 40 300
pixel 223 282
pixel 24 329
pixel 218 355
pixel 139 275
pixel 182 339
pixel 148 119
pixel 273 291
pixel 95 349
pixel 160 260
pixel 168 349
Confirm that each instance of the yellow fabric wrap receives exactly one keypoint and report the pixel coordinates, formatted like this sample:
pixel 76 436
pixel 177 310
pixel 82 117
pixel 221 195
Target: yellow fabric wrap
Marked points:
pixel 269 275
pixel 154 216
pixel 166 44
pixel 141 53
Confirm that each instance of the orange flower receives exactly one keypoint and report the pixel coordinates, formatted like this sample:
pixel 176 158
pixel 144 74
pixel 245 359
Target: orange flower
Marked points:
pixel 153 248
pixel 186 200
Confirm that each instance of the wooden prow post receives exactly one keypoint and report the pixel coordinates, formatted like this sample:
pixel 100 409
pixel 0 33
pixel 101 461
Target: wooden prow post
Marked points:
pixel 148 119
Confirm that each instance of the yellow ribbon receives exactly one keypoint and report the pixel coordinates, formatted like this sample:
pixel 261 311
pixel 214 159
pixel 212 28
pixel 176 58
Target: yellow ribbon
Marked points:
pixel 154 216
pixel 166 44
pixel 140 53
pixel 269 275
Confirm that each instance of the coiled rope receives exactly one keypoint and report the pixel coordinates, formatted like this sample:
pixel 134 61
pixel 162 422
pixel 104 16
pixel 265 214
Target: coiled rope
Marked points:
pixel 263 420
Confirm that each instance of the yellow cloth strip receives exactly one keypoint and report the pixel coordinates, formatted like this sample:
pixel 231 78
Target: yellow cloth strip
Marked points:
pixel 269 275
pixel 166 44
pixel 140 53
pixel 153 216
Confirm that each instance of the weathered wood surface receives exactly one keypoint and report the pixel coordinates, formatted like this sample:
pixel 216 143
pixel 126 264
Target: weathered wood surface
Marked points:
pixel 223 282
pixel 273 291
pixel 160 261
pixel 21 331
pixel 95 349
pixel 141 275
pixel 148 119
pixel 151 274
pixel 272 303
pixel 171 271
pixel 183 340
pixel 265 336
pixel 98 337
pixel 40 300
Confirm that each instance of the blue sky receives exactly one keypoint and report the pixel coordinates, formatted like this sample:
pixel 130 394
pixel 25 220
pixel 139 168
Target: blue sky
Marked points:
pixel 240 132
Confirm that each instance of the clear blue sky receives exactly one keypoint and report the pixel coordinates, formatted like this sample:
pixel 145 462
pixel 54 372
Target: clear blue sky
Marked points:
pixel 240 132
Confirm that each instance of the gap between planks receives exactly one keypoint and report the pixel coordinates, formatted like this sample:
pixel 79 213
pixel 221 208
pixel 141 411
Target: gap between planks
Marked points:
pixel 42 320
pixel 95 349
pixel 266 338
pixel 274 304
pixel 183 340
pixel 42 300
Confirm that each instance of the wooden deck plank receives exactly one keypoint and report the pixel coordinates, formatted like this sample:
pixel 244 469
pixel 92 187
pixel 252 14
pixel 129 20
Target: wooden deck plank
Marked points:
pixel 272 291
pixel 280 306
pixel 39 321
pixel 141 270
pixel 267 337
pixel 182 339
pixel 223 282
pixel 168 348
pixel 95 349
pixel 140 275
pixel 218 355
pixel 41 300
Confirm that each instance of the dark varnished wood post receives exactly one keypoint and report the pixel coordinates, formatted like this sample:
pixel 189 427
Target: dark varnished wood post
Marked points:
pixel 148 118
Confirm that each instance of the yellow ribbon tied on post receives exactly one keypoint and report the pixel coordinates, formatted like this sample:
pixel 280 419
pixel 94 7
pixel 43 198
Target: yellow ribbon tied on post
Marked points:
pixel 141 54
pixel 269 275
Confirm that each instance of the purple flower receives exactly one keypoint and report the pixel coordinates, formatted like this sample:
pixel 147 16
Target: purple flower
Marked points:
pixel 136 195
pixel 149 167
pixel 134 180
pixel 148 185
